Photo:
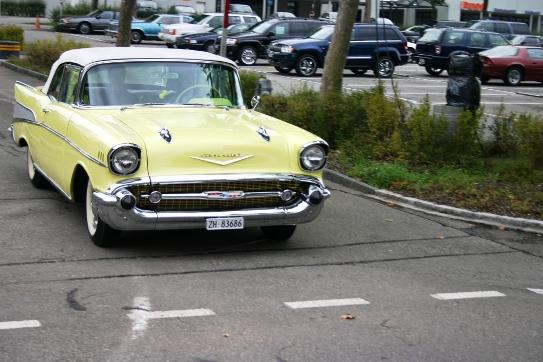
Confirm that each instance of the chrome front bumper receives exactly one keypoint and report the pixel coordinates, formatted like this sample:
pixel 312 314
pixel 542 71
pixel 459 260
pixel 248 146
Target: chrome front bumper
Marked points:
pixel 108 207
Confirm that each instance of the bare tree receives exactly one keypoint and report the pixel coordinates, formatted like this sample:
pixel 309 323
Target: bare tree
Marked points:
pixel 128 7
pixel 332 77
pixel 367 11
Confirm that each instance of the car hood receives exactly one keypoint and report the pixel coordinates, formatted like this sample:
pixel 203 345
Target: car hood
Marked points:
pixel 247 35
pixel 208 141
pixel 301 41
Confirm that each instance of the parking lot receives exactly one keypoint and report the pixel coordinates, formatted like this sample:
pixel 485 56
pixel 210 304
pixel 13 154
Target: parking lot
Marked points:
pixel 411 79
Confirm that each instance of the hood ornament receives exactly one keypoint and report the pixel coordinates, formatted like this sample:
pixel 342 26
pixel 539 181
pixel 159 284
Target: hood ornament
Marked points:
pixel 263 133
pixel 165 134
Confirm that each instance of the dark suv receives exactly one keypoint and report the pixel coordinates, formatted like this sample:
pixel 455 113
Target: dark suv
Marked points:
pixel 365 51
pixel 247 47
pixel 508 28
pixel 437 44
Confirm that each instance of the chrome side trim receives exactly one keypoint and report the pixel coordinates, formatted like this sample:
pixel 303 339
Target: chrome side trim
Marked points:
pixel 24 84
pixel 37 168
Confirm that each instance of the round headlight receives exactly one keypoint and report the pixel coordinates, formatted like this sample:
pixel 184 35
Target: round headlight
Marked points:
pixel 124 160
pixel 313 157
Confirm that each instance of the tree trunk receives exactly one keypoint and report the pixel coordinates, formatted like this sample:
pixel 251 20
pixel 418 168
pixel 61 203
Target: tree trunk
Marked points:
pixel 94 4
pixel 332 77
pixel 367 11
pixel 125 23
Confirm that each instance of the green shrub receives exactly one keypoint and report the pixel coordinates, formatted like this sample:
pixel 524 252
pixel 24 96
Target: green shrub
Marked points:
pixel 23 7
pixel 426 134
pixel 40 55
pixel 529 130
pixel 11 33
pixel 465 141
pixel 504 139
pixel 383 120
pixel 249 81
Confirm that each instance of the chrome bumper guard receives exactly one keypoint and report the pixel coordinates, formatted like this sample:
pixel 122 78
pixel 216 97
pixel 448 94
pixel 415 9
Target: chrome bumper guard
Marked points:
pixel 108 206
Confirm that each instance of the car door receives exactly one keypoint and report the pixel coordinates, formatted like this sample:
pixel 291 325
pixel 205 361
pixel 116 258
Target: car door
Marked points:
pixel 103 20
pixel 534 64
pixel 362 47
pixel 52 141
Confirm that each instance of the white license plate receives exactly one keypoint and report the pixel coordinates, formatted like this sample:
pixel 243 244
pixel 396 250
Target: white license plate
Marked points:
pixel 224 223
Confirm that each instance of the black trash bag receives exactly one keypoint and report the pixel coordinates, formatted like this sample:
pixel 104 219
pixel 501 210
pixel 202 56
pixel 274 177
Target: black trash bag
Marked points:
pixel 463 92
pixel 465 64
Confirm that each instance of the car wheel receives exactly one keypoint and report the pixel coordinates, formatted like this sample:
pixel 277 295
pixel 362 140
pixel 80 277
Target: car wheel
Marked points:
pixel 84 28
pixel 279 232
pixel 210 47
pixel 169 45
pixel 513 76
pixel 248 56
pixel 100 233
pixel 484 80
pixel 306 65
pixel 36 178
pixel 384 68
pixel 435 71
pixel 283 70
pixel 136 36
pixel 359 71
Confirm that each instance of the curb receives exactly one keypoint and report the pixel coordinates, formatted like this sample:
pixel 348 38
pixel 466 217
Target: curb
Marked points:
pixel 385 196
pixel 389 197
pixel 24 71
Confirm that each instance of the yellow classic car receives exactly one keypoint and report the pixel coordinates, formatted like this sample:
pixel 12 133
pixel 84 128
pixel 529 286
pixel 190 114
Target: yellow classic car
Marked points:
pixel 153 139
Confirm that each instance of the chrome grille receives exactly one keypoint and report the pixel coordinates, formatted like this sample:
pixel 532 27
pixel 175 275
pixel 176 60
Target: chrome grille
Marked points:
pixel 214 204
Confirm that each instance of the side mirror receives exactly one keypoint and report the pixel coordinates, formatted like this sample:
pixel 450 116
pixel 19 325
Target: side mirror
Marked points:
pixel 270 34
pixel 255 101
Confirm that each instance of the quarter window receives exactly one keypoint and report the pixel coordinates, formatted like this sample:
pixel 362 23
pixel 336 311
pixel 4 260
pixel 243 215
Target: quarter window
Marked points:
pixel 69 84
pixel 54 87
pixel 535 53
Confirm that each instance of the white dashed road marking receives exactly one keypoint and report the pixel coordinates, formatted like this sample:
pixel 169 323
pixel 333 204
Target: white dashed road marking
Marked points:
pixel 468 295
pixel 538 291
pixel 20 324
pixel 141 313
pixel 326 303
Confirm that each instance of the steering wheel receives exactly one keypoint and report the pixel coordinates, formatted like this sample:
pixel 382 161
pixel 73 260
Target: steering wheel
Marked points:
pixel 179 98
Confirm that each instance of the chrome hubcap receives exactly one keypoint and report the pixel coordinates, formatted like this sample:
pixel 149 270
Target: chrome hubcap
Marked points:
pixel 385 67
pixel 248 56
pixel 514 76
pixel 307 65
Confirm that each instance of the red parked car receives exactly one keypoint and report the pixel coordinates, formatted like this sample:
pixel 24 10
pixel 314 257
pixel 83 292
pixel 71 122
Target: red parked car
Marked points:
pixel 513 64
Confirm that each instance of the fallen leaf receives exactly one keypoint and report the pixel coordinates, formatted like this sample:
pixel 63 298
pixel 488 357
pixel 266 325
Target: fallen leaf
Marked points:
pixel 501 227
pixel 347 316
pixel 391 204
pixel 226 335
pixel 388 220
pixel 440 237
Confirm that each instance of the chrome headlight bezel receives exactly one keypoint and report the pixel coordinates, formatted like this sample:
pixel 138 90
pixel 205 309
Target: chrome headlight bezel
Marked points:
pixel 231 41
pixel 129 150
pixel 307 160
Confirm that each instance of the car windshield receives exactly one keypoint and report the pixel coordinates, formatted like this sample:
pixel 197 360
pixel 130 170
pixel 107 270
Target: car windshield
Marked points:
pixel 151 18
pixel 323 33
pixel 94 13
pixel 500 51
pixel 161 83
pixel 431 35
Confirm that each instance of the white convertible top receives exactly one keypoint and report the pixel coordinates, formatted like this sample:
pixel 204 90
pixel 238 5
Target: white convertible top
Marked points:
pixel 86 56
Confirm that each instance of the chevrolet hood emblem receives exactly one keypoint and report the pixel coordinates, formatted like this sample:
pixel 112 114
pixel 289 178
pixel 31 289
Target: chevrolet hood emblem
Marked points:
pixel 222 163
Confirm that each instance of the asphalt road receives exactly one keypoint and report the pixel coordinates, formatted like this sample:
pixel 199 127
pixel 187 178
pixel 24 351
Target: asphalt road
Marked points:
pixel 199 296
pixel 412 80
